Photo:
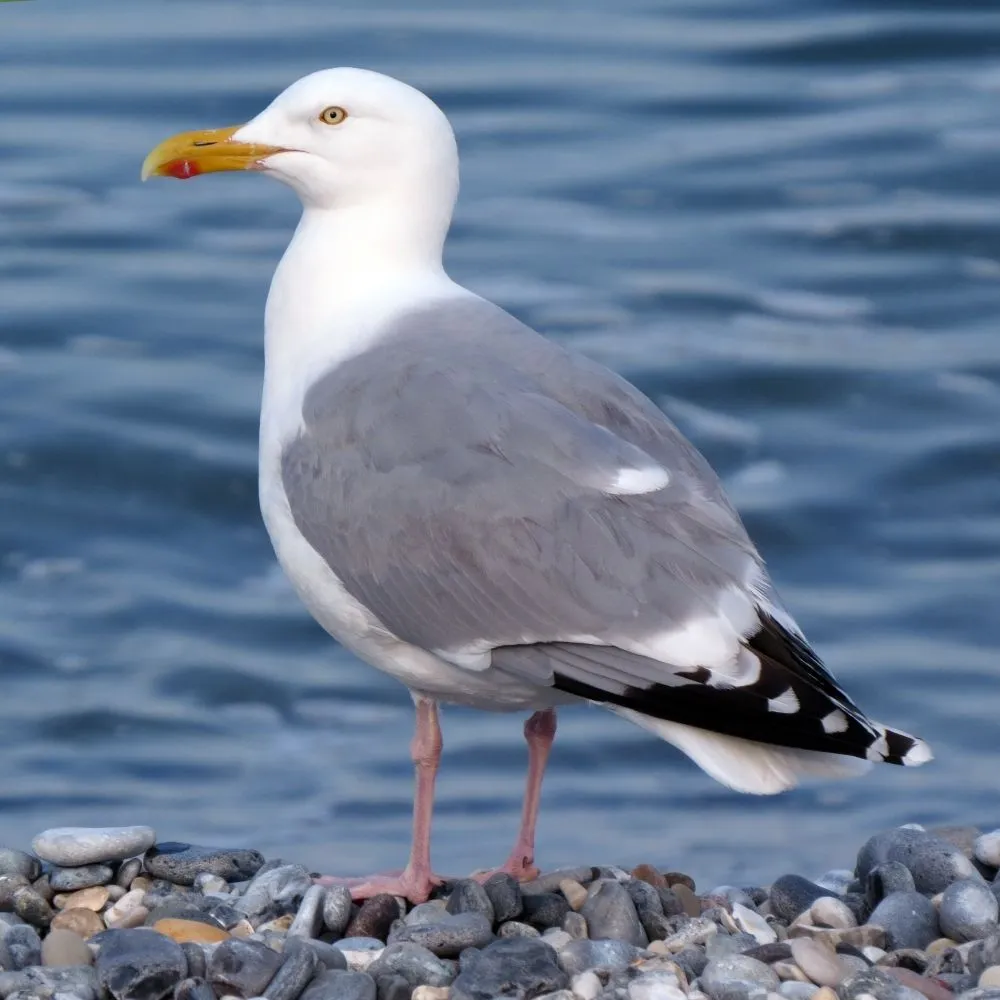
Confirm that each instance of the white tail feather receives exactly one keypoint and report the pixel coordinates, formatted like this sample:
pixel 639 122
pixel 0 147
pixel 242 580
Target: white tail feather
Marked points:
pixel 744 765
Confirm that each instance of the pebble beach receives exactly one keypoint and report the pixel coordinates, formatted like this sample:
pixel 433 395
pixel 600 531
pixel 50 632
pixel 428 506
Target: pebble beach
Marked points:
pixel 94 914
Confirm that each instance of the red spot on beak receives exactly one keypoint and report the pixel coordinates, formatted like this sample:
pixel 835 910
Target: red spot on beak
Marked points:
pixel 181 169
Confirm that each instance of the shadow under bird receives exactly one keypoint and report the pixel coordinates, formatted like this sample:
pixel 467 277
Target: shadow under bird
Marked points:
pixel 485 515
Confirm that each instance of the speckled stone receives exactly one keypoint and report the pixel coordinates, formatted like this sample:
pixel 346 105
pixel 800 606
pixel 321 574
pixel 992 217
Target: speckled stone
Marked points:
pixel 544 909
pixel 309 916
pixel 449 936
pixel 72 846
pixel 610 913
pixel 375 917
pixel 933 862
pixel 468 896
pixel 515 968
pixel 735 976
pixel 274 893
pixel 337 909
pixel 791 895
pixel 909 920
pixel 15 862
pixel 968 910
pixel 242 967
pixel 417 965
pixel 139 965
pixel 333 984
pixel 579 956
pixel 72 879
pixel 24 946
pixel 514 928
pixel 182 863
pixel 505 895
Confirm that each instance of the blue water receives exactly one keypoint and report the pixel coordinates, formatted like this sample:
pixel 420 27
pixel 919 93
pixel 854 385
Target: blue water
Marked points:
pixel 781 219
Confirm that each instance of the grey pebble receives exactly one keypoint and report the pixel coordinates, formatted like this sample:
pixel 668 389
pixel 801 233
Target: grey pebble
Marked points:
pixel 337 905
pixel 139 965
pixel 72 846
pixel 791 895
pixel 549 882
pixel 468 896
pixel 875 983
pixel 242 966
pixel 794 990
pixel 82 877
pixel 544 909
pixel 309 918
pixel 427 913
pixel 359 944
pixel 392 987
pixel 449 936
pixel 274 893
pixel 181 863
pixel 610 913
pixel 333 984
pixel 329 956
pixel 9 884
pixel 692 961
pixel 887 878
pixel 579 956
pixel 908 918
pixel 737 976
pixel 575 925
pixel 193 988
pixel 24 946
pixel 15 862
pixel 514 968
pixel 127 871
pixel 933 862
pixel 515 929
pixel 504 894
pixel 78 981
pixel 417 965
pixel 968 910
pixel 196 962
pixel 297 969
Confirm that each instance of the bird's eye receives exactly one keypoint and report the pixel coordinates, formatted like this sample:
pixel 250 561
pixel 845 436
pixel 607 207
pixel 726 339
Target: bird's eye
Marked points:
pixel 332 115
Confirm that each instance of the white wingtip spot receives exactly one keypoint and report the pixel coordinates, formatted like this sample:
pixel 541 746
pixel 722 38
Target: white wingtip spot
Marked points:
pixel 918 754
pixel 637 481
pixel 786 703
pixel 878 749
pixel 835 722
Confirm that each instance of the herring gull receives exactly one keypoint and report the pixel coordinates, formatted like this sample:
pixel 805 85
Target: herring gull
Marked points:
pixel 489 517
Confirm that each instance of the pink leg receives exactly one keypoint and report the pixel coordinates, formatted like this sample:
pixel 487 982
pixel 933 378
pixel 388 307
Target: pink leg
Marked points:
pixel 540 732
pixel 416 880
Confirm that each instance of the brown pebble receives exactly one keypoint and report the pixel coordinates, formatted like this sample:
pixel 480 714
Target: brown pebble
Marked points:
pixel 431 993
pixel 189 930
pixel 825 993
pixel 374 918
pixel 686 897
pixel 63 947
pixel 930 989
pixel 31 907
pixel 279 924
pixel 575 893
pixel 818 961
pixel 93 898
pixel 142 882
pixel 659 948
pixel 789 972
pixel 242 930
pixel 678 878
pixel 647 873
pixel 43 887
pixel 990 977
pixel 78 920
pixel 9 884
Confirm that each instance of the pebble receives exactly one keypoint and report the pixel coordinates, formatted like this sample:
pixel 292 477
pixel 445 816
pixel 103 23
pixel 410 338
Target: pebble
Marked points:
pixel 79 920
pixel 430 993
pixel 689 902
pixel 933 862
pixel 31 907
pixel 95 898
pixel 333 984
pixel 908 918
pixel 275 892
pixel 448 936
pixel 989 978
pixel 515 968
pixel 309 917
pixel 15 862
pixel 830 912
pixel 337 909
pixel 23 945
pixel 82 877
pixel 575 925
pixel 968 910
pixel 133 900
pixel 791 895
pixel 505 895
pixel 194 988
pixel 735 976
pixel 127 872
pixel 575 893
pixel 63 947
pixel 610 913
pixel 180 930
pixel 514 928
pixel 586 985
pixel 820 963
pixel 245 967
pixel 71 846
pixel 298 965
pixel 985 850
pixel 549 882
pixel 139 965
pixel 375 917
pixel 753 923
pixel 417 965
pixel 579 956
pixel 468 896
pixel 544 909
pixel 183 863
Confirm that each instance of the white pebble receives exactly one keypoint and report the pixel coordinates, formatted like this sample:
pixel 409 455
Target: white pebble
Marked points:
pixel 586 985
pixel 70 846
pixel 753 923
pixel 557 938
pixel 130 901
pixel 358 961
pixel 988 848
pixel 430 993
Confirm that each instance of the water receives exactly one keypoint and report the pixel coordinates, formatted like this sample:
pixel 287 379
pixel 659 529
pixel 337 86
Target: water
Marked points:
pixel 782 220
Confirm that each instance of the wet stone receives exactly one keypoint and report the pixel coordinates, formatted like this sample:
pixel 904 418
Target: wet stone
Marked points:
pixel 24 946
pixel 375 917
pixel 908 918
pixel 139 965
pixel 337 909
pixel 791 895
pixel 62 947
pixel 242 967
pixel 515 968
pixel 15 862
pixel 73 846
pixel 449 936
pixel 417 965
pixel 968 910
pixel 297 969
pixel 334 984
pixel 579 956
pixel 182 863
pixel 468 896
pixel 505 896
pixel 71 879
pixel 194 988
pixel 610 913
pixel 544 909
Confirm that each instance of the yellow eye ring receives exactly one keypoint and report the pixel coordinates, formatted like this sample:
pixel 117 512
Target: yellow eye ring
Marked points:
pixel 332 115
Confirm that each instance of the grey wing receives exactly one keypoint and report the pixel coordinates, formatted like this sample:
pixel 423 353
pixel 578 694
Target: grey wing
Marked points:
pixel 511 506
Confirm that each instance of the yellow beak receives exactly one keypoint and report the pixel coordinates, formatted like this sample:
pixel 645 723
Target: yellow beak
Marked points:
pixel 207 152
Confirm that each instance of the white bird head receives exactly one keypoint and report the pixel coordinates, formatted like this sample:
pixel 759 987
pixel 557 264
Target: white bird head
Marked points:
pixel 338 137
